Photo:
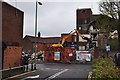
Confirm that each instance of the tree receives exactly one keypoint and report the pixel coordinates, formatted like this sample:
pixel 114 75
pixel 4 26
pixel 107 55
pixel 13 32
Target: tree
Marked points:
pixel 111 8
pixel 105 23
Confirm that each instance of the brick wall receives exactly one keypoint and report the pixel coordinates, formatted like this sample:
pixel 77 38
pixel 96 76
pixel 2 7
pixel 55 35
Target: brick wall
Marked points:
pixel 27 45
pixel 83 14
pixel 12 56
pixel 40 47
pixel 12 24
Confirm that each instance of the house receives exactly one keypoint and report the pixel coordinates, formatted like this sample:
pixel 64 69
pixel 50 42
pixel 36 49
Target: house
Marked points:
pixel 85 24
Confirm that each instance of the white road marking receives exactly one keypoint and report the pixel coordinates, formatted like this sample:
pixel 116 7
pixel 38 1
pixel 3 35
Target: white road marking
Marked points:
pixel 47 68
pixel 31 77
pixel 37 76
pixel 56 74
pixel 50 69
pixel 42 69
pixel 55 69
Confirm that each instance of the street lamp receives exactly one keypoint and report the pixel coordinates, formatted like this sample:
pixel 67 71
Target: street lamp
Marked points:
pixel 36 31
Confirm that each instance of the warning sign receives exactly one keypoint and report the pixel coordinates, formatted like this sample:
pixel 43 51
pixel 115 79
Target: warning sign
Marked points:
pixel 83 55
pixel 57 56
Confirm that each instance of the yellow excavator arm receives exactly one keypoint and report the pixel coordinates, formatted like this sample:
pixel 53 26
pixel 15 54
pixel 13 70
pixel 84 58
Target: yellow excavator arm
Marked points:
pixel 57 45
pixel 70 34
pixel 63 40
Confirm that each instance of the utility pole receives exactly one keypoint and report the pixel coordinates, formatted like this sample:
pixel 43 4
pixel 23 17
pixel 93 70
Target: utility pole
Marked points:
pixel 35 45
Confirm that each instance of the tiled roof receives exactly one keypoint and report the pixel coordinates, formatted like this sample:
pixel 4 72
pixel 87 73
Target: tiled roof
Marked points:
pixel 44 40
pixel 49 40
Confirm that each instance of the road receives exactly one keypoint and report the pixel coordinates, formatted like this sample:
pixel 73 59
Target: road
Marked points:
pixel 53 71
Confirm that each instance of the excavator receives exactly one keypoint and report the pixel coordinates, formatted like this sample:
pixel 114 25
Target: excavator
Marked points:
pixel 70 34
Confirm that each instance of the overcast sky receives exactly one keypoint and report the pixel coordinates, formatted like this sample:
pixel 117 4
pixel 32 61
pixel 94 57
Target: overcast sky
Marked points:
pixel 54 16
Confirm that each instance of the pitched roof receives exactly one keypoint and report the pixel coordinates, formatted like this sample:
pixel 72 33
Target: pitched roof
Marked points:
pixel 31 38
pixel 43 40
pixel 50 40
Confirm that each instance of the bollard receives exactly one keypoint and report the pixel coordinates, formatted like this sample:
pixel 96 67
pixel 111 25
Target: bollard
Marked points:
pixel 27 67
pixel 32 66
pixel 35 66
pixel 23 67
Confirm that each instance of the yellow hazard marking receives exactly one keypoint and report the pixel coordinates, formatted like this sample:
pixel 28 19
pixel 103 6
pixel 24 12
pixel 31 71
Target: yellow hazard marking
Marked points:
pixel 19 75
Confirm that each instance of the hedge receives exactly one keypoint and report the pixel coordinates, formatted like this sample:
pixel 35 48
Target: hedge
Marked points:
pixel 103 68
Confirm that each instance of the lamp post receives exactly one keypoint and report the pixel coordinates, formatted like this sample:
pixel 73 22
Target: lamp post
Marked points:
pixel 36 31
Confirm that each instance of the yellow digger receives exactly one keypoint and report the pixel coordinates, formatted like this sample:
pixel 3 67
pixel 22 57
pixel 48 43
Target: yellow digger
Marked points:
pixel 70 34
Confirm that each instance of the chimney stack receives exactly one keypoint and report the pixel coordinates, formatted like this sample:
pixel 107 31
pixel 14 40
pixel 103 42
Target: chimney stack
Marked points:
pixel 39 34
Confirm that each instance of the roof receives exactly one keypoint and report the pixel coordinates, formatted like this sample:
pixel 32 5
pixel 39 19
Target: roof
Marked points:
pixel 5 3
pixel 100 15
pixel 65 34
pixel 83 8
pixel 43 40
pixel 50 40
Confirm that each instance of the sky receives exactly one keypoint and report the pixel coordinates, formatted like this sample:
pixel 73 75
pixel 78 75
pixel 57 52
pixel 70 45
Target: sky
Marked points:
pixel 54 16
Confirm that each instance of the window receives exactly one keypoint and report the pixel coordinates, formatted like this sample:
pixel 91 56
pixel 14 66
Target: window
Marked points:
pixel 81 47
pixel 80 28
pixel 75 39
pixel 84 28
pixel 85 21
pixel 92 37
pixel 91 28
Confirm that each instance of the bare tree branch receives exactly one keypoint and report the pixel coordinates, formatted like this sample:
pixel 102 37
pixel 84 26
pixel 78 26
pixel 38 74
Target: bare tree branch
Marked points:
pixel 110 8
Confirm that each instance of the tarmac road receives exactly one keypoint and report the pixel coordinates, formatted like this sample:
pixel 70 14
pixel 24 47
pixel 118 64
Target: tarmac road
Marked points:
pixel 53 71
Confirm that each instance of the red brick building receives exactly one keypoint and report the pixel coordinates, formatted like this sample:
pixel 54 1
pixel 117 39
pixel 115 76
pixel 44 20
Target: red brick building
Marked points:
pixel 42 43
pixel 12 24
pixel 83 22
pixel 12 34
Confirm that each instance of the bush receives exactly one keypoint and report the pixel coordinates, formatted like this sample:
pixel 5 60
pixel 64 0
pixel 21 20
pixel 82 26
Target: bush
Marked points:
pixel 105 69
